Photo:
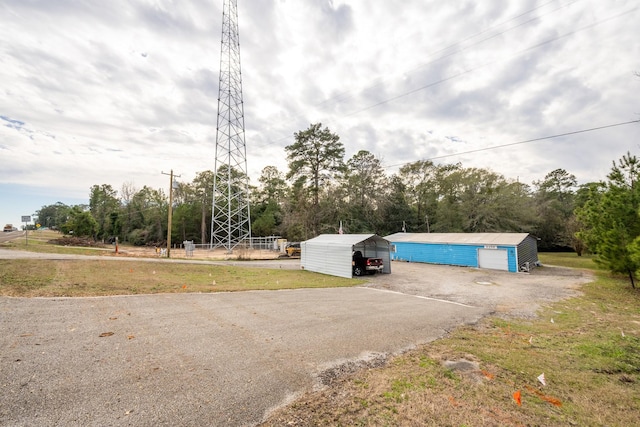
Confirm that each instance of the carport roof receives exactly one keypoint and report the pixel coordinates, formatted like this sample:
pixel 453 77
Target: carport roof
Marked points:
pixel 460 238
pixel 344 239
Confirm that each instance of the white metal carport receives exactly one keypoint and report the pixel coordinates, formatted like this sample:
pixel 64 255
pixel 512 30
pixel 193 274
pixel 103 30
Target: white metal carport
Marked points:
pixel 332 253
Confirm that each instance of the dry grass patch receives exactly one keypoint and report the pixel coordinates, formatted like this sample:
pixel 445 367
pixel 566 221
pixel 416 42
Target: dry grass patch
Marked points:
pixel 587 347
pixel 44 241
pixel 49 278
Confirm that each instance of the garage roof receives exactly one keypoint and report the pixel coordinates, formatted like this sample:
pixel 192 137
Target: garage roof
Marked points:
pixel 460 238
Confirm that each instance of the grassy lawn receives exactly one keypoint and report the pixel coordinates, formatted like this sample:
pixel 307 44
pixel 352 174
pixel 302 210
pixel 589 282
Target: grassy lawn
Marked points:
pixel 50 278
pixel 31 278
pixel 37 241
pixel 568 259
pixel 587 347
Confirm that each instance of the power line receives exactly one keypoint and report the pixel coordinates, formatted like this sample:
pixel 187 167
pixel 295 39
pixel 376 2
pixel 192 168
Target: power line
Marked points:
pixel 458 46
pixel 350 94
pixel 520 142
pixel 462 73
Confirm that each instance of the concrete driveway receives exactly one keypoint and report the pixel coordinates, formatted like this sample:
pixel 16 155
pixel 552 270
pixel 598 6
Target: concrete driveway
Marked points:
pixel 203 359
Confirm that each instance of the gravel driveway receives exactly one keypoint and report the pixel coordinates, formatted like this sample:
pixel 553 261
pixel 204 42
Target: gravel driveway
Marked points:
pixel 229 358
pixel 501 292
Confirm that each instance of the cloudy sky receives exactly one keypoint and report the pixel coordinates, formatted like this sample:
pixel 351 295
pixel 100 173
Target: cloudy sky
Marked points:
pixel 119 91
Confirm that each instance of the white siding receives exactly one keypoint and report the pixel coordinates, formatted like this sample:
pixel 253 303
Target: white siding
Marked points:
pixel 332 253
pixel 327 259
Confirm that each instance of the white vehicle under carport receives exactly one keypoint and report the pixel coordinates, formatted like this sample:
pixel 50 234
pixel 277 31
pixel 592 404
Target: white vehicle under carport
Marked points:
pixel 333 253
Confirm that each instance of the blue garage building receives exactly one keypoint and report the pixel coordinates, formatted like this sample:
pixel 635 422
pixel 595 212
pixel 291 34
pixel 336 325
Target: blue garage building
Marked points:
pixel 500 251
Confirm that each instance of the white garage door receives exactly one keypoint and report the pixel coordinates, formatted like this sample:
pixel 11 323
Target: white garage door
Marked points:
pixel 495 259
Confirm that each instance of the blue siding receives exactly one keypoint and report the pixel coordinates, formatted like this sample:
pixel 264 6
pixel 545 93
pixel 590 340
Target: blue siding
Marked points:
pixel 442 253
pixel 512 259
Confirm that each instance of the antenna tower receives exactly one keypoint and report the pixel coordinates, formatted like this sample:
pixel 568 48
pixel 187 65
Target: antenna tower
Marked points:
pixel 230 218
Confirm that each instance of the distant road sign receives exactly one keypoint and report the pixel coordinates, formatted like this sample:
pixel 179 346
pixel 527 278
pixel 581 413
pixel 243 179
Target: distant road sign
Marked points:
pixel 26 218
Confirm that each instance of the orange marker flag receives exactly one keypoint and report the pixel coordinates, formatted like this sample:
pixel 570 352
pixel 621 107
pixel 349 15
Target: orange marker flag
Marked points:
pixel 517 397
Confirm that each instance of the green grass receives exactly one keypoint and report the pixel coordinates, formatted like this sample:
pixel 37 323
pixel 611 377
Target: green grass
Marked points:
pixel 590 355
pixel 568 259
pixel 30 278
pixel 37 241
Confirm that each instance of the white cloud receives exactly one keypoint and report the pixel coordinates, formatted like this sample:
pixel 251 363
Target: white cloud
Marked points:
pixel 112 92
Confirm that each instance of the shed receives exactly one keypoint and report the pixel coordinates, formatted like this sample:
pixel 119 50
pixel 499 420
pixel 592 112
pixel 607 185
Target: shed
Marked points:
pixel 332 253
pixel 500 251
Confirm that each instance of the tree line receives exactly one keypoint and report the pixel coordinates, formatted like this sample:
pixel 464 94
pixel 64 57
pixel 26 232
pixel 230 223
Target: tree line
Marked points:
pixel 321 190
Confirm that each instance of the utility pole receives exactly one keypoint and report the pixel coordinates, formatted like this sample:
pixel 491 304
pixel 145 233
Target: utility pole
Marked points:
pixel 171 185
pixel 230 214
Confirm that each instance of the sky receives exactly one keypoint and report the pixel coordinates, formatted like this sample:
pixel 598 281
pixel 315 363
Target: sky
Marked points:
pixel 119 92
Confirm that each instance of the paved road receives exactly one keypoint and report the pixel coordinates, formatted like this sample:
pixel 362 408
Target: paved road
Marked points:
pixel 199 359
pixel 10 235
pixel 282 263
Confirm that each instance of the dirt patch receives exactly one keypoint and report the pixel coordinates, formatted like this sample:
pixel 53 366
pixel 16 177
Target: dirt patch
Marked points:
pixel 330 375
pixel 76 241
pixel 200 254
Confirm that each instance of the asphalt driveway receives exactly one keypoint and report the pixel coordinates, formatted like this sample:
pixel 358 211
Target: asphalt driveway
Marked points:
pixel 214 359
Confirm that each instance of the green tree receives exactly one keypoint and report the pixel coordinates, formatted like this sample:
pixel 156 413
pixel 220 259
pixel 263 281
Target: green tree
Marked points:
pixel 424 190
pixel 186 223
pixel 127 191
pixel 453 199
pixel 80 223
pixel 317 156
pixel 611 219
pixel 53 216
pixel 489 203
pixel 363 190
pixel 315 161
pixel 555 203
pixel 267 205
pixel 395 213
pixel 296 219
pixel 103 202
pixel 148 217
pixel 266 220
pixel 273 187
pixel 576 226
pixel 203 193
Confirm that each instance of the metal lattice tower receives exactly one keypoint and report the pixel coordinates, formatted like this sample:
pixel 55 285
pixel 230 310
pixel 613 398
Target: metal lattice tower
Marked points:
pixel 230 219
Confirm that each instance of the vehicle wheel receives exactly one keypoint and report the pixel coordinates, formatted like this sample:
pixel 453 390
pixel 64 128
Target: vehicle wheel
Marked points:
pixel 357 271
